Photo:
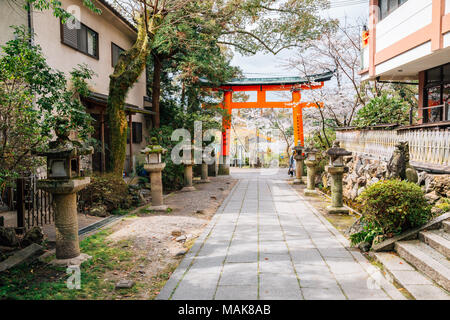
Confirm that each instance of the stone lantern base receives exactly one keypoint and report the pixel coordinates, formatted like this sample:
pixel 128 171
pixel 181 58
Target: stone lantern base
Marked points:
pixel 155 170
pixel 188 189
pixel 204 178
pixel 310 193
pixel 337 210
pixel 311 177
pixel 298 170
pixel 337 204
pixel 64 194
pixel 77 261
pixel 188 177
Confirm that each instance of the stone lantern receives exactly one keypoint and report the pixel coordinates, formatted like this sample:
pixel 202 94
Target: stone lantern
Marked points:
pixel 204 174
pixel 337 169
pixel 299 158
pixel 311 162
pixel 63 182
pixel 154 165
pixel 188 173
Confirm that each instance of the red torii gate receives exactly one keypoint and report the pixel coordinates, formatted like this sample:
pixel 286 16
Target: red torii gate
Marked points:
pixel 261 86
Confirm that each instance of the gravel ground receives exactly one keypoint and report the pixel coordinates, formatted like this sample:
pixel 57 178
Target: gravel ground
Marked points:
pixel 153 236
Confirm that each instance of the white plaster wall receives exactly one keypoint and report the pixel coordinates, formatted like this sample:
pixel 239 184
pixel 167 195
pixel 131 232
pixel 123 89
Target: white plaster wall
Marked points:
pixel 11 13
pixel 65 58
pixel 447 6
pixel 411 55
pixel 407 19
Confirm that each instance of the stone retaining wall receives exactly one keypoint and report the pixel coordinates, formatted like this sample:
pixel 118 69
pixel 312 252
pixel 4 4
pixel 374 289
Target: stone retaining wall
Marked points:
pixel 364 171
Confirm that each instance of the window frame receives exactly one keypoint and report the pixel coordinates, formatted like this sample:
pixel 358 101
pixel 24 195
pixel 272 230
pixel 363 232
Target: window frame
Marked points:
pixel 112 53
pixel 389 10
pixel 436 84
pixel 97 57
pixel 134 131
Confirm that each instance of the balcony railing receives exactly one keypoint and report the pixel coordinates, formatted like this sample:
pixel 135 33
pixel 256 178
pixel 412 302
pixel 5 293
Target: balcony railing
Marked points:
pixel 429 148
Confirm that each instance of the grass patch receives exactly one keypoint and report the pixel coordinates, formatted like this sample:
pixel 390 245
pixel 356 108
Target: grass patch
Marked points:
pixel 159 281
pixel 39 281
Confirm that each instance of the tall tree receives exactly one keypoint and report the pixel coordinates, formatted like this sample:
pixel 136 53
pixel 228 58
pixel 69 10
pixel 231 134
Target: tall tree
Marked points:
pixel 249 26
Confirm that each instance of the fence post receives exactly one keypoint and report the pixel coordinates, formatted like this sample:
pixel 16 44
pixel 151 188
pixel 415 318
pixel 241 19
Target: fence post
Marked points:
pixel 20 204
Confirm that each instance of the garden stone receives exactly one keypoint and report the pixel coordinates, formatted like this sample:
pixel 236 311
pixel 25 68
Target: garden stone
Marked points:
pixel 432 197
pixel 429 183
pixel 364 246
pixel 181 253
pixel 411 175
pixel 356 227
pixel 362 181
pixel 8 237
pixel 181 238
pixel 421 177
pixel 98 210
pixel 34 235
pixel 176 233
pixel 124 284
pixel 21 256
pixel 360 191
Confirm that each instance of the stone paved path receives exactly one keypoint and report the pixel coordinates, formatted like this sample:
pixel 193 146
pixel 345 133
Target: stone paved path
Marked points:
pixel 267 242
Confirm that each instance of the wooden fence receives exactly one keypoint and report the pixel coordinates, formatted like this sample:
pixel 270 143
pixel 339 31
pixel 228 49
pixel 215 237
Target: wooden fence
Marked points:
pixel 34 207
pixel 429 149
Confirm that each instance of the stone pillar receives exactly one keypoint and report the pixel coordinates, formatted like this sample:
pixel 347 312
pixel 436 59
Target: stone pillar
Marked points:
pixel 311 178
pixel 336 190
pixel 298 169
pixel 64 194
pixel 224 167
pixel 156 185
pixel 66 225
pixel 204 173
pixel 188 177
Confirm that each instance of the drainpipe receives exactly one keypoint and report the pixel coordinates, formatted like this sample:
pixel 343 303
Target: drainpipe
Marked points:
pixel 29 20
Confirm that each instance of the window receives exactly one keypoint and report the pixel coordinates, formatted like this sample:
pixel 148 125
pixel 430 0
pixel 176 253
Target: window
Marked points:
pixel 388 6
pixel 83 39
pixel 437 94
pixel 137 132
pixel 115 53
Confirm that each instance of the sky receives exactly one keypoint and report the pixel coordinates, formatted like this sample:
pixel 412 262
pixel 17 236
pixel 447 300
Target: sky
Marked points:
pixel 268 65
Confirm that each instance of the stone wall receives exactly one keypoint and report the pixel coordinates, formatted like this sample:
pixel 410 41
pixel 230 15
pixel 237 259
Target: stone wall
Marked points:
pixel 364 171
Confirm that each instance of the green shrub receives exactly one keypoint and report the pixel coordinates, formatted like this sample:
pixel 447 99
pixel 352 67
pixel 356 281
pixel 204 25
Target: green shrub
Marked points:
pixel 444 205
pixel 393 206
pixel 367 234
pixel 107 189
pixel 382 110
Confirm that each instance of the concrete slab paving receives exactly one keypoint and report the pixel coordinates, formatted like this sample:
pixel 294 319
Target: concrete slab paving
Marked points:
pixel 267 242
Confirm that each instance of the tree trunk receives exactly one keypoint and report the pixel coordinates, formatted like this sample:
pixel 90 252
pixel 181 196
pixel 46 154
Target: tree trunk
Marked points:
pixel 156 89
pixel 129 67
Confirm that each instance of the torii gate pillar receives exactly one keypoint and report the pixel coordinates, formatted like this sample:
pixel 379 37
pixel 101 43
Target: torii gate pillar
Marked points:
pixel 224 160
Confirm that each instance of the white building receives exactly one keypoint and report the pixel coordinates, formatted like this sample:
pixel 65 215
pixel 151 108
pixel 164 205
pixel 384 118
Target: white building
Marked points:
pixel 410 40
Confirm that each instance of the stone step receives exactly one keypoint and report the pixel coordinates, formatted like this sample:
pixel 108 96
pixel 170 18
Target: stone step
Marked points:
pixel 438 240
pixel 414 282
pixel 429 261
pixel 446 225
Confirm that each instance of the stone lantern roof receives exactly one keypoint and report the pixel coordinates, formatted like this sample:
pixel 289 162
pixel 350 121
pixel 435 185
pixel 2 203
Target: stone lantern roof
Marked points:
pixel 336 151
pixel 153 147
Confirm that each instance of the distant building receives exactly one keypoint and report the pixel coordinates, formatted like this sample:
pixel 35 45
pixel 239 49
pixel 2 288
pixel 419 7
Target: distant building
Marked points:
pixel 97 42
pixel 410 40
